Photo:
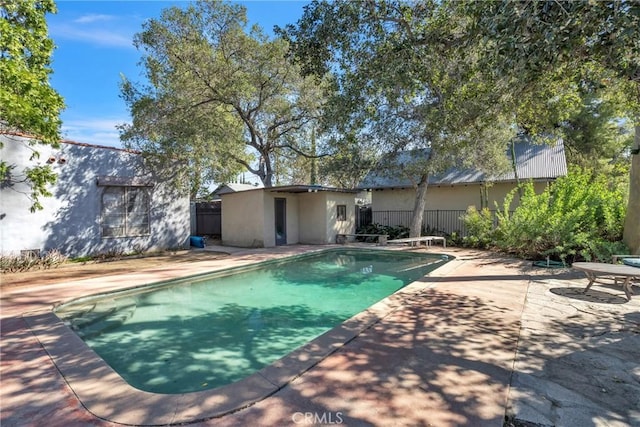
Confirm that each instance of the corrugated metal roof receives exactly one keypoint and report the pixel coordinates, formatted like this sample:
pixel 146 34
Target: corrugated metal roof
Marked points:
pixel 533 161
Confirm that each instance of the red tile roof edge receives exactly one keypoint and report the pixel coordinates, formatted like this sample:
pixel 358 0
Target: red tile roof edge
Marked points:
pixel 80 144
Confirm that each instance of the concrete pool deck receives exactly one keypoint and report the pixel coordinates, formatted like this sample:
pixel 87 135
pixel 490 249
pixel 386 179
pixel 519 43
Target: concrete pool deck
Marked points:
pixel 482 337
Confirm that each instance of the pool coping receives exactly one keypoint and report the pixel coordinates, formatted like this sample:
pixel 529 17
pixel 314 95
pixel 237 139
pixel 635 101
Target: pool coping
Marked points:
pixel 108 396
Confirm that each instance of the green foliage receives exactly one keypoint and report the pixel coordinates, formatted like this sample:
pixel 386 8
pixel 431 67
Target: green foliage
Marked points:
pixel 28 104
pixel 403 81
pixel 479 226
pixel 599 134
pixel 394 232
pixel 39 177
pixel 455 239
pixel 348 165
pixel 463 70
pixel 578 217
pixel 529 44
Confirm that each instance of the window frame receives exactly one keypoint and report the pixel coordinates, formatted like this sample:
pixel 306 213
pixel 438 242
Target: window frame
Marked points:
pixel 341 212
pixel 135 218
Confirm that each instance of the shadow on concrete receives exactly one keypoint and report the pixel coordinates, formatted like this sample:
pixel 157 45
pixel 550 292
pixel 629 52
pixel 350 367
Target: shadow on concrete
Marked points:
pixel 445 358
pixel 442 359
pixel 578 360
pixel 590 296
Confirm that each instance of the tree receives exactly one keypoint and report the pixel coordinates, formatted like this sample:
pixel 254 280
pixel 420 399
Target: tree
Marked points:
pixel 348 165
pixel 598 135
pixel 221 92
pixel 402 82
pixel 28 104
pixel 530 40
pixel 597 128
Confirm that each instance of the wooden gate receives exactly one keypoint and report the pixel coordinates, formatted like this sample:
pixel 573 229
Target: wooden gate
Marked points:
pixel 209 218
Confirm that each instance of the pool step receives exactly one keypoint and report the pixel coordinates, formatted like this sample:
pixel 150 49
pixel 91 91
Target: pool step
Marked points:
pixel 101 318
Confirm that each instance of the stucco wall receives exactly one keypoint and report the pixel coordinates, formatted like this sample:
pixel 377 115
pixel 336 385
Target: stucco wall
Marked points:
pixel 340 227
pixel 248 217
pixel 70 220
pixel 313 218
pixel 243 219
pixel 317 219
pixel 270 221
pixel 458 197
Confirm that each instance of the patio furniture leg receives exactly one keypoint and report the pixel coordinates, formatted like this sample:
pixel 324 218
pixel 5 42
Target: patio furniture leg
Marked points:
pixel 592 278
pixel 627 287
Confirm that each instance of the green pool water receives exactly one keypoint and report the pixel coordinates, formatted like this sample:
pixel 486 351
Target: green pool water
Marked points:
pixel 204 332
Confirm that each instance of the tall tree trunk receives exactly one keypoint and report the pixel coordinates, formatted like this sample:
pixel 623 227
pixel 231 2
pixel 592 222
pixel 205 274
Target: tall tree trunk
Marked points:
pixel 514 165
pixel 631 233
pixel 265 170
pixel 313 179
pixel 415 230
pixel 484 195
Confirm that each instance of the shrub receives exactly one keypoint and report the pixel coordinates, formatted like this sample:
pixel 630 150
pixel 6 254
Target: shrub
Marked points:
pixel 479 228
pixel 109 255
pixel 53 258
pixel 578 217
pixel 30 261
pixel 455 239
pixel 395 232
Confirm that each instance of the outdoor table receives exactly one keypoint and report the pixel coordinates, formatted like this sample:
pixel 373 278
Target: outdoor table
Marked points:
pixel 595 269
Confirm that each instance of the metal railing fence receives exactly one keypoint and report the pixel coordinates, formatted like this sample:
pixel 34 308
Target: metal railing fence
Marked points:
pixel 435 221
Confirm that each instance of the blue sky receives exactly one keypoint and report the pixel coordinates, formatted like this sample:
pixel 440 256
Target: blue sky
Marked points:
pixel 94 46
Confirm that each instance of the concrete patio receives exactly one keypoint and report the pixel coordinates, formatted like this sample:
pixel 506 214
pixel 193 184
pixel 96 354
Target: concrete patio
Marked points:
pixel 482 338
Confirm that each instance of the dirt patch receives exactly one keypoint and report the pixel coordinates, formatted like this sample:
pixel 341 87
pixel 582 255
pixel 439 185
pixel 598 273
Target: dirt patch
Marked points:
pixel 86 270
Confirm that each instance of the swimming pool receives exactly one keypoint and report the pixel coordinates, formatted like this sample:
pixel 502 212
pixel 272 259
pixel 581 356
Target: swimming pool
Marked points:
pixel 204 332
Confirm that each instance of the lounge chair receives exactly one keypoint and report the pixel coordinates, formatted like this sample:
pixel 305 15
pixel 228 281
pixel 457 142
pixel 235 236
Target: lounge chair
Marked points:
pixel 427 240
pixel 632 260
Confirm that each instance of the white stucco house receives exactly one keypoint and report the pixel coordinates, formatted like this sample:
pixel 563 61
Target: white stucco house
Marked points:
pixel 296 214
pixel 105 200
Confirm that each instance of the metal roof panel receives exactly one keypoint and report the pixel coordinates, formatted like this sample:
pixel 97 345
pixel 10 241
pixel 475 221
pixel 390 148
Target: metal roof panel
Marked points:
pixel 533 161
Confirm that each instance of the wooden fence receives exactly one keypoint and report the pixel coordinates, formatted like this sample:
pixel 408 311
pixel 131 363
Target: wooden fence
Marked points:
pixel 208 217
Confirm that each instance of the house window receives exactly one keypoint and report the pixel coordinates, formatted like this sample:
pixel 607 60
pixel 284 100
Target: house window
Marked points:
pixel 125 211
pixel 341 214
